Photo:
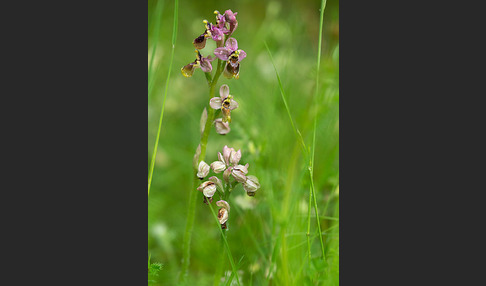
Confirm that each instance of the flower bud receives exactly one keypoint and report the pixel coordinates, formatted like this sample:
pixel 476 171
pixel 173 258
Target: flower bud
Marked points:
pixel 231 19
pixel 221 127
pixel 218 182
pixel 202 121
pixel 239 173
pixel 195 159
pixel 223 204
pixel 223 217
pixel 223 212
pixel 202 170
pixel 227 173
pixel 220 157
pixel 251 185
pixel 226 154
pixel 218 166
pixel 235 157
pixel 208 188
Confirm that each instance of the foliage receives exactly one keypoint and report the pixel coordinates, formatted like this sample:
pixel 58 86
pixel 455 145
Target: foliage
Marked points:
pixel 267 234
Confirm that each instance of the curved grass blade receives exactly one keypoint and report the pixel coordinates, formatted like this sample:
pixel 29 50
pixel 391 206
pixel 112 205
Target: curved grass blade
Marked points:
pixel 311 167
pixel 174 37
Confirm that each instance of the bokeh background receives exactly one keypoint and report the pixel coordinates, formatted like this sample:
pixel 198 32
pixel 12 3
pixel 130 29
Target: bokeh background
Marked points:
pixel 267 233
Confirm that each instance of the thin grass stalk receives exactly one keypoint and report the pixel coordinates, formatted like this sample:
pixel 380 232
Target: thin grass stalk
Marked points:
pixel 302 144
pixel 158 15
pixel 154 153
pixel 312 192
pixel 308 226
pixel 282 93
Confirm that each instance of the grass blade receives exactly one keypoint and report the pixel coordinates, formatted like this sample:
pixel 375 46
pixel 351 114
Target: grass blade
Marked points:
pixel 158 15
pixel 282 93
pixel 311 167
pixel 174 37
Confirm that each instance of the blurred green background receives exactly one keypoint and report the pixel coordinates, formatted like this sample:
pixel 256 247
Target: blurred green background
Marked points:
pixel 267 233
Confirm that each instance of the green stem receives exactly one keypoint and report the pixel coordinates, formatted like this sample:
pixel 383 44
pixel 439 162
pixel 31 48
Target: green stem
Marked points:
pixel 308 226
pixel 313 194
pixel 220 267
pixel 311 167
pixel 193 194
pixel 228 251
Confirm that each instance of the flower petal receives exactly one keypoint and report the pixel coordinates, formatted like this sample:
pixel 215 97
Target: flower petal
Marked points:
pixel 206 66
pixel 209 190
pixel 216 33
pixel 226 154
pixel 218 166
pixel 215 103
pixel 223 92
pixel 230 16
pixel 221 127
pixel 220 157
pixel 218 182
pixel 226 174
pixel 235 157
pixel 241 55
pixel 251 185
pixel 200 42
pixel 223 215
pixel 232 44
pixel 222 53
pixel 242 168
pixel 223 204
pixel 238 174
pixel 233 104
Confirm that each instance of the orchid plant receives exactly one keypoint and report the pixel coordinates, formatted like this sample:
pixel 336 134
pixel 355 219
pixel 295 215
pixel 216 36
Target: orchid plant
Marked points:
pixel 228 64
pixel 229 57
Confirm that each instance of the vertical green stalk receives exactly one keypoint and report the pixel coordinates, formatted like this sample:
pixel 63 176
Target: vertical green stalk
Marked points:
pixel 154 153
pixel 308 225
pixel 312 191
pixel 220 263
pixel 297 132
pixel 193 194
pixel 228 251
pixel 158 15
